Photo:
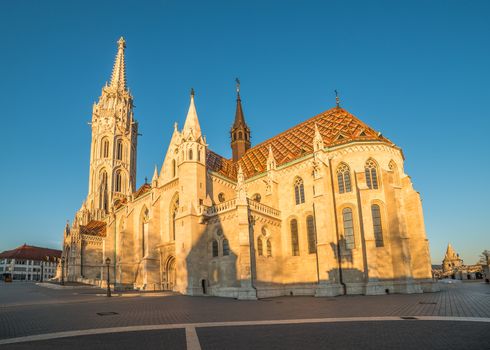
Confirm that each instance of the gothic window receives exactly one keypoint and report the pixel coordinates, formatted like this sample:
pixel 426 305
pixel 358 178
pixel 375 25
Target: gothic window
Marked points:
pixel 118 182
pixel 104 150
pixel 348 228
pixel 256 197
pixel 119 150
pixel 174 168
pixel 240 135
pixel 269 248
pixel 371 174
pixel 174 210
pixel 221 197
pixel 103 200
pixel 343 177
pixel 144 231
pixel 226 247
pixel 299 191
pixel 310 229
pixel 198 155
pixel 190 154
pixel 377 227
pixel 294 237
pixel 396 176
pixel 215 248
pixel 260 249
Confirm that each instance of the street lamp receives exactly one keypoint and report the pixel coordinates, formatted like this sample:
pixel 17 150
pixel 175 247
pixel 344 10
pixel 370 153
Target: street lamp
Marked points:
pixel 62 270
pixel 108 263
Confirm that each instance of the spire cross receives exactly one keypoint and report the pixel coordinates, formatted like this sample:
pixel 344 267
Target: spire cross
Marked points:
pixel 237 85
pixel 337 98
pixel 192 92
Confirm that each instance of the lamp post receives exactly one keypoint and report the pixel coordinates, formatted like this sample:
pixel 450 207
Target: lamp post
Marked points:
pixel 42 272
pixel 108 263
pixel 62 270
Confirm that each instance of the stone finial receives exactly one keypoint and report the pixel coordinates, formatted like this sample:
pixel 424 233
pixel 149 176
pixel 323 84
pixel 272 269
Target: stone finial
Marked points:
pixel 241 190
pixel 154 179
pixel 318 144
pixel 271 161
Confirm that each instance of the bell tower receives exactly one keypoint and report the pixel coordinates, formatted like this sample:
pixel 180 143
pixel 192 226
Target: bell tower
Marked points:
pixel 114 140
pixel 240 133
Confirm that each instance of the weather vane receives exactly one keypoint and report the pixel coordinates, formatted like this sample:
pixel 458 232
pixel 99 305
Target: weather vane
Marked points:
pixel 237 85
pixel 337 98
pixel 192 92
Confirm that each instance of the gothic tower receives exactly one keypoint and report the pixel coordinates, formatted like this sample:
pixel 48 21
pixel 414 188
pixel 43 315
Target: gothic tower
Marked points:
pixel 240 133
pixel 114 140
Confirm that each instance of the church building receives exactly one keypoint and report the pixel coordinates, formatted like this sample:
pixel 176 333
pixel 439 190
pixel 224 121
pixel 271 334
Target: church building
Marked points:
pixel 324 208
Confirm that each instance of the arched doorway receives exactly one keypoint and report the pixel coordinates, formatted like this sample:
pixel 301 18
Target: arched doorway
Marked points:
pixel 170 274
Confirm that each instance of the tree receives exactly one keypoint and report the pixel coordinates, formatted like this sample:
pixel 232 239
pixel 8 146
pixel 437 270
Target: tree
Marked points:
pixel 484 258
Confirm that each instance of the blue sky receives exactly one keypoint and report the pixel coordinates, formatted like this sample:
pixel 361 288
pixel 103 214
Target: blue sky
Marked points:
pixel 419 71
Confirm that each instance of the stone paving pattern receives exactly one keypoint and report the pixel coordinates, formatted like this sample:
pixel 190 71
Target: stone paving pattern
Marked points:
pixel 47 310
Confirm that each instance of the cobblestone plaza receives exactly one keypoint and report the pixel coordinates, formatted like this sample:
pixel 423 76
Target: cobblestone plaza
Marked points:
pixel 33 316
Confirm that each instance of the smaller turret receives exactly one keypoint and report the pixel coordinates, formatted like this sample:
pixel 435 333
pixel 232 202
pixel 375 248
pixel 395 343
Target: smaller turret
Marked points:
pixel 240 133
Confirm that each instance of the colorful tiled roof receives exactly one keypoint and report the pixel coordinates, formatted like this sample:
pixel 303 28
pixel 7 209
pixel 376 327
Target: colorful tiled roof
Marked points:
pixel 29 252
pixel 337 126
pixel 142 190
pixel 94 228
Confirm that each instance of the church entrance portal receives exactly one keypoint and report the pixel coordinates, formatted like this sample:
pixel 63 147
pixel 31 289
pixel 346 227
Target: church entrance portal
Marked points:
pixel 170 275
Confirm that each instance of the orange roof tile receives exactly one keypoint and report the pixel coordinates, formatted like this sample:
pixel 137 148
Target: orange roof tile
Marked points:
pixel 94 228
pixel 29 252
pixel 337 126
pixel 142 190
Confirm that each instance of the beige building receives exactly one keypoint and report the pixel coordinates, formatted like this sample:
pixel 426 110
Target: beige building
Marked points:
pixel 324 208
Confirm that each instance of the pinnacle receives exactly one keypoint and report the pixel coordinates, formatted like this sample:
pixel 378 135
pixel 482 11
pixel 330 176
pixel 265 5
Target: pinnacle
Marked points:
pixel 118 78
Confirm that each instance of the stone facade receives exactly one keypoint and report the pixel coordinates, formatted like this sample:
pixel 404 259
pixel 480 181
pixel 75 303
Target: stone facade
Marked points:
pixel 323 209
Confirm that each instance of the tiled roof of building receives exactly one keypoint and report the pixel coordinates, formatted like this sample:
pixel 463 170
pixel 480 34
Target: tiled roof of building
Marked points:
pixel 337 126
pixel 94 228
pixel 223 166
pixel 142 190
pixel 29 252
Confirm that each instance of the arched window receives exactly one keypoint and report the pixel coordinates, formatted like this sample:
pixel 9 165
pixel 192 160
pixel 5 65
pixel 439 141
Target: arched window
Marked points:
pixel 260 249
pixel 269 248
pixel 215 248
pixel 118 182
pixel 377 226
pixel 240 135
pixel 103 195
pixel 173 217
pixel 104 148
pixel 221 197
pixel 396 176
pixel 348 228
pixel 198 155
pixel 343 177
pixel 294 237
pixel 144 232
pixel 119 150
pixel 190 154
pixel 371 174
pixel 299 191
pixel 226 247
pixel 257 197
pixel 174 168
pixel 310 229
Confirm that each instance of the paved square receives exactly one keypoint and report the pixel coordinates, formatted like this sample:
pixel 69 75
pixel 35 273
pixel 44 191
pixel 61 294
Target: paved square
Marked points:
pixel 34 316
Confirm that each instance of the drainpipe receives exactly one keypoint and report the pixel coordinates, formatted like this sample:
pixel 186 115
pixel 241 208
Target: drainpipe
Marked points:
pixel 339 255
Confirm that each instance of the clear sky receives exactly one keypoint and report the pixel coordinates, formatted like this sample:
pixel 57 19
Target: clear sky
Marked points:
pixel 419 71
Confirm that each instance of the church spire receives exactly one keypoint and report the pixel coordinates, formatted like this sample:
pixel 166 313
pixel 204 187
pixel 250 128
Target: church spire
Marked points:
pixel 118 78
pixel 191 125
pixel 240 133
